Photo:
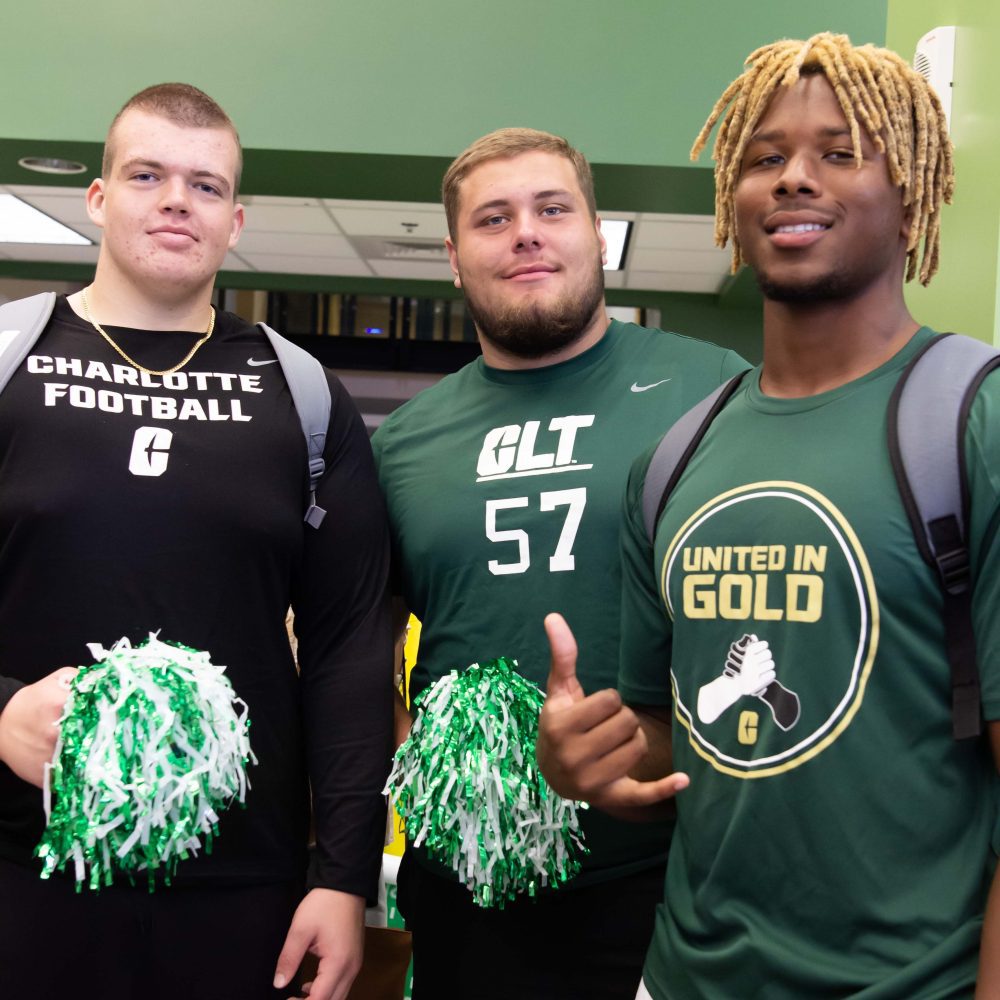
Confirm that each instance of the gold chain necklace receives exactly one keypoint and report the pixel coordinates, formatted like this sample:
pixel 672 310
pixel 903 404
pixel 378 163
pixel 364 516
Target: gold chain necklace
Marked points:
pixel 135 364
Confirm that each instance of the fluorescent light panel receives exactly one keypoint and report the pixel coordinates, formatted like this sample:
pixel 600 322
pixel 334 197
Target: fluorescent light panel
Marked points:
pixel 616 233
pixel 22 223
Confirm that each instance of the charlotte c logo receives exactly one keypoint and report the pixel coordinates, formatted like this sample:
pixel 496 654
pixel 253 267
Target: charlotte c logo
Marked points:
pixel 150 451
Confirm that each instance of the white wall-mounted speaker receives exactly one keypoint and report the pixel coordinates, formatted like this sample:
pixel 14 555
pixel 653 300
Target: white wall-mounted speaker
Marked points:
pixel 935 61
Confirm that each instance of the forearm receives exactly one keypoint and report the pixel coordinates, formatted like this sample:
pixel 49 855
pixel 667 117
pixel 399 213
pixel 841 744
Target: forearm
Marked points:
pixel 402 720
pixel 988 984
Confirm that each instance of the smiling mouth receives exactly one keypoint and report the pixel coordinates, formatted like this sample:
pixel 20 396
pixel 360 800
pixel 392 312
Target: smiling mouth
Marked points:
pixel 802 227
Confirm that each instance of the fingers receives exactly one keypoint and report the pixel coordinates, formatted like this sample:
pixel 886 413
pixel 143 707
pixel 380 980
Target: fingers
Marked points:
pixel 292 953
pixel 562 682
pixel 627 793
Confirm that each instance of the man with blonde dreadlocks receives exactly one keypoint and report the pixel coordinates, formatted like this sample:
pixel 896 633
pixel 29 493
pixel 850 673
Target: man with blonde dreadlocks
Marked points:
pixel 783 645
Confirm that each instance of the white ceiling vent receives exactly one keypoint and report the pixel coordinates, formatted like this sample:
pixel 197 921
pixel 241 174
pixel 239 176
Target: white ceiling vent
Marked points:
pixel 935 61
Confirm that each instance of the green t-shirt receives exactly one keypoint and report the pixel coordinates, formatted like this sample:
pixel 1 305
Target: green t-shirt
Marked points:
pixel 504 491
pixel 835 841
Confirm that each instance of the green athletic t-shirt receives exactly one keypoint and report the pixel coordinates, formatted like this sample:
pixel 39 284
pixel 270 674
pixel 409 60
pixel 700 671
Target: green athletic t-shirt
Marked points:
pixel 835 841
pixel 504 491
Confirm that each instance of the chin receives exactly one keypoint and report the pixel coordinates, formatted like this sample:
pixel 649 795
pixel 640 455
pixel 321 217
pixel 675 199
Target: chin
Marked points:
pixel 819 288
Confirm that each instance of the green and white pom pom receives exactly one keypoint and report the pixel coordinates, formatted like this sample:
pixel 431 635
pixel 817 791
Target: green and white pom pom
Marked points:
pixel 466 784
pixel 153 745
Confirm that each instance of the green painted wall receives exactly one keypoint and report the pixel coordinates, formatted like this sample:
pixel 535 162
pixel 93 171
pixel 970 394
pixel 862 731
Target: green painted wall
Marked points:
pixel 371 98
pixel 964 294
pixel 629 82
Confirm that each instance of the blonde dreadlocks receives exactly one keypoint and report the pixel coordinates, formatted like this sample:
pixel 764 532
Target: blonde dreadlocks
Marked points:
pixel 876 89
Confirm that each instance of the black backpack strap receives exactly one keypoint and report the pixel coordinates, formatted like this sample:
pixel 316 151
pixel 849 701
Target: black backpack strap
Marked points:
pixel 21 324
pixel 675 450
pixel 310 391
pixel 926 421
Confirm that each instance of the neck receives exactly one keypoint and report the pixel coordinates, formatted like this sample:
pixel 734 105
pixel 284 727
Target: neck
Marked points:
pixel 811 348
pixel 114 302
pixel 593 332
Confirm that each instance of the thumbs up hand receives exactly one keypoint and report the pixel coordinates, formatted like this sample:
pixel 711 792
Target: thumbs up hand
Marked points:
pixel 588 744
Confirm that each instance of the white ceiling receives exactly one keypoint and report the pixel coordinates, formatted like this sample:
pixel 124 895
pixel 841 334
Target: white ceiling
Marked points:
pixel 376 239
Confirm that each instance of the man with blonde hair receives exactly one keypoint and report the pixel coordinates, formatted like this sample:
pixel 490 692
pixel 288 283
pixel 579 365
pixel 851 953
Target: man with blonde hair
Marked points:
pixel 153 477
pixel 786 640
pixel 503 484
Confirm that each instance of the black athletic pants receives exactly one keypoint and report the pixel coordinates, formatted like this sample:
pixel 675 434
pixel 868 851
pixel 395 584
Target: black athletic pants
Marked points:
pixel 573 944
pixel 125 943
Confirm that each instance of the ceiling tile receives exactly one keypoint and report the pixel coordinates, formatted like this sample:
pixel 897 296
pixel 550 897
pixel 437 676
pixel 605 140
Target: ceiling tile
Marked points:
pixel 311 218
pixel 296 264
pixel 69 211
pixel 61 254
pixel 661 281
pixel 295 244
pixel 392 206
pixel 31 190
pixel 416 269
pixel 397 222
pixel 614 279
pixel 278 200
pixel 234 263
pixel 693 261
pixel 691 233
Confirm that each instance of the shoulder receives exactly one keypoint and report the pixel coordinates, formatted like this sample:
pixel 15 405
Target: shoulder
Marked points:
pixel 436 402
pixel 665 345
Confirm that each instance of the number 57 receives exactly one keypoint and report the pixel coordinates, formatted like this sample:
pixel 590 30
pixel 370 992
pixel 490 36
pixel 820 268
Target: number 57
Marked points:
pixel 562 559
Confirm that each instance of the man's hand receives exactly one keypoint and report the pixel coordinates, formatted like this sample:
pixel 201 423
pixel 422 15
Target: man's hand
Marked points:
pixel 28 729
pixel 330 924
pixel 587 745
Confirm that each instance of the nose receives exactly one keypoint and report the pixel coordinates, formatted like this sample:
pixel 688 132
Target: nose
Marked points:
pixel 175 196
pixel 526 232
pixel 797 176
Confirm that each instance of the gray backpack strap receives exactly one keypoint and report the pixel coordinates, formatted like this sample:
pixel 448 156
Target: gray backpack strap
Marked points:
pixel 675 450
pixel 926 422
pixel 310 391
pixel 21 324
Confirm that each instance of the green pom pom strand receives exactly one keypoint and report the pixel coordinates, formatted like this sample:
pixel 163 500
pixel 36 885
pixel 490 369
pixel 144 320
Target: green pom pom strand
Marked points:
pixel 153 746
pixel 466 784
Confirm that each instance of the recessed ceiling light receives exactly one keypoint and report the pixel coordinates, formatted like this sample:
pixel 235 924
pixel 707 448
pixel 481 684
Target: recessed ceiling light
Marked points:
pixel 51 165
pixel 22 223
pixel 616 233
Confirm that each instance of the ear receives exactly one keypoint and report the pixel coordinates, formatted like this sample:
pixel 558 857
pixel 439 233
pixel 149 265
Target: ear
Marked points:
pixel 453 260
pixel 95 201
pixel 237 227
pixel 906 225
pixel 603 241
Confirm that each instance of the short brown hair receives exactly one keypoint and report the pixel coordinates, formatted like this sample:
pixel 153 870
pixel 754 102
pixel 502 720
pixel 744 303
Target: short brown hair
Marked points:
pixel 877 90
pixel 183 105
pixel 506 143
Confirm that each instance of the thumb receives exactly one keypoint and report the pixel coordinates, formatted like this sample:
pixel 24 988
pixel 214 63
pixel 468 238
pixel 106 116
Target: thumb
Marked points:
pixel 292 953
pixel 562 682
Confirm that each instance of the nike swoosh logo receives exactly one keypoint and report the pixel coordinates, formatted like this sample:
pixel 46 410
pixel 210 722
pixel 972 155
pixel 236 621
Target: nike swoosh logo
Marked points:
pixel 257 364
pixel 642 388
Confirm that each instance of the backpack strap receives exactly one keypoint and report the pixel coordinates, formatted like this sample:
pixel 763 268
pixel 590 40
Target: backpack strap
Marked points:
pixel 926 422
pixel 310 391
pixel 21 324
pixel 675 450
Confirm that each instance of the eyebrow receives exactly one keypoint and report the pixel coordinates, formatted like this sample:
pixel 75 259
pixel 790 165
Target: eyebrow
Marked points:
pixel 156 165
pixel 776 135
pixel 537 196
